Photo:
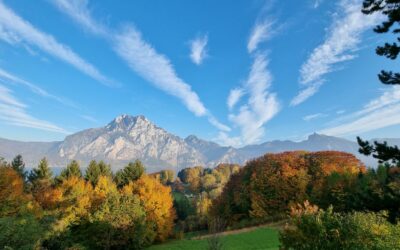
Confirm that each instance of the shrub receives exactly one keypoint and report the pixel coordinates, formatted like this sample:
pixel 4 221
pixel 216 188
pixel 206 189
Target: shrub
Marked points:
pixel 313 228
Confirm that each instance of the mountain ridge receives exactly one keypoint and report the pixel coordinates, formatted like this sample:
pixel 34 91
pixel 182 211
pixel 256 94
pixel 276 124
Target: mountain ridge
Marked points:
pixel 127 138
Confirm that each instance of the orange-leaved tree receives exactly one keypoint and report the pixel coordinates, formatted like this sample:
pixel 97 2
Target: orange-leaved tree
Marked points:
pixel 157 201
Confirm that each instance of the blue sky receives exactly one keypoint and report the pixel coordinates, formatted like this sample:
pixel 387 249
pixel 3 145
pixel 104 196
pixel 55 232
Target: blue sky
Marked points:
pixel 236 72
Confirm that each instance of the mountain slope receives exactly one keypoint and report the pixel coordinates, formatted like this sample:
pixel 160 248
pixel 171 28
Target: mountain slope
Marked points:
pixel 127 138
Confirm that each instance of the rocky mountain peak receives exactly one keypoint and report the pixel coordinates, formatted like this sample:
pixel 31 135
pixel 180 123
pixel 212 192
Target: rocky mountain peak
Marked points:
pixel 192 138
pixel 315 137
pixel 127 122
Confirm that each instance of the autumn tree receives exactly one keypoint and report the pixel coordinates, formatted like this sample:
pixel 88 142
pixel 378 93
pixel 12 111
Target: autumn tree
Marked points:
pixel 267 186
pixel 192 177
pixel 76 198
pixel 12 197
pixel 390 9
pixel 158 204
pixel 131 172
pixel 167 177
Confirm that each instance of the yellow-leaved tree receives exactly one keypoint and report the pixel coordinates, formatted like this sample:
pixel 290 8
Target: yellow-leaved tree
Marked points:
pixel 157 202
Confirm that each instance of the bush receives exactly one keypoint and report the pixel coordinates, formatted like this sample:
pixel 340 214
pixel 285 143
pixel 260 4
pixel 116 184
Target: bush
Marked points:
pixel 313 228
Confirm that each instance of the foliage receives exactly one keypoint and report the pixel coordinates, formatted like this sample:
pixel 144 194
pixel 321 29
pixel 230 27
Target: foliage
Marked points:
pixel 13 200
pixel 132 172
pixel 158 204
pixel 269 185
pixel 312 228
pixel 20 232
pixel 72 169
pixel 381 151
pixel 183 206
pixel 18 165
pixel 95 170
pixel 391 9
pixel 41 172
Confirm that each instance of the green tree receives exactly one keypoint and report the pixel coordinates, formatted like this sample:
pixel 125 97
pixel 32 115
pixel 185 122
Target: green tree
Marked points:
pixel 20 232
pixel 131 172
pixel 72 169
pixel 95 170
pixel 381 151
pixel 41 172
pixel 391 9
pixel 167 176
pixel 18 165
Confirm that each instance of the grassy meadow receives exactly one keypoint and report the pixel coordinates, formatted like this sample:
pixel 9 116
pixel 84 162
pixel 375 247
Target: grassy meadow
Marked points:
pixel 261 238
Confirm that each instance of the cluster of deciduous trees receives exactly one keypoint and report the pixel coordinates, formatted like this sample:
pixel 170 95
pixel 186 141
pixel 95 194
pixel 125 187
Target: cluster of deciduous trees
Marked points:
pixel 194 191
pixel 269 185
pixel 130 209
pixel 82 211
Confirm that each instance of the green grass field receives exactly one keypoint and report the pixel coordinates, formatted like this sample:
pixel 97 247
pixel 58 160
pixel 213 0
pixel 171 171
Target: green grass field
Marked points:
pixel 261 238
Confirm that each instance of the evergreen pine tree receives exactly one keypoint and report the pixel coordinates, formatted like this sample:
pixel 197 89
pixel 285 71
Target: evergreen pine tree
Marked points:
pixel 131 172
pixel 391 9
pixel 72 169
pixel 95 170
pixel 18 165
pixel 41 172
pixel 381 151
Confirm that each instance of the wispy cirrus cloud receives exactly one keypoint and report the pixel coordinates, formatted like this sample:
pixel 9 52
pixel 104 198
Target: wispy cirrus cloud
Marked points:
pixel 234 97
pixel 261 105
pixel 314 116
pixel 155 68
pixel 7 76
pixel 80 13
pixel 14 29
pixel 141 57
pixel 380 112
pixel 342 40
pixel 261 32
pixel 317 3
pixel 89 118
pixel 15 112
pixel 198 49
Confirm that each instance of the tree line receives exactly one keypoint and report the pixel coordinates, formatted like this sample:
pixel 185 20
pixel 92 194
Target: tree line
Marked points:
pixel 128 210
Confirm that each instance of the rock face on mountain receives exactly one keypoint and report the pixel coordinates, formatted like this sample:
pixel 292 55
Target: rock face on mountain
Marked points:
pixel 127 138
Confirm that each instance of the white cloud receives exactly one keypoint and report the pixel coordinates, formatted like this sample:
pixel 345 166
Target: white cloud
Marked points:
pixel 261 32
pixel 198 49
pixel 80 13
pixel 379 113
pixel 89 118
pixel 14 112
pixel 317 3
pixel 218 124
pixel 305 94
pixel 14 29
pixel 34 88
pixel 225 140
pixel 342 111
pixel 342 40
pixel 371 121
pixel 234 97
pixel 155 68
pixel 141 57
pixel 313 116
pixel 261 105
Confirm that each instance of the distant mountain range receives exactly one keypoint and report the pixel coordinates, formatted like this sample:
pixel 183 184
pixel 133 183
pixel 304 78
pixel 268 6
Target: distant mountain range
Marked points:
pixel 127 138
